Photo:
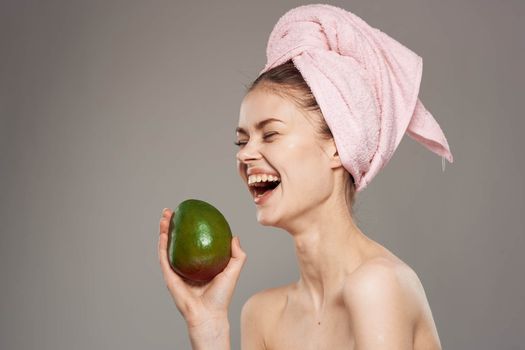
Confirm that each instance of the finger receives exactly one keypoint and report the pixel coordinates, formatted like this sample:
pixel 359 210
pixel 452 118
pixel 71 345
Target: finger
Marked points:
pixel 164 223
pixel 237 251
pixel 163 253
pixel 173 281
pixel 166 213
pixel 224 283
pixel 233 269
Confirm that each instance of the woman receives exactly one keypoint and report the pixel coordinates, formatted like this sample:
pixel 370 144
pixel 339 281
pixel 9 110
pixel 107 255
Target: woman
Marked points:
pixel 352 293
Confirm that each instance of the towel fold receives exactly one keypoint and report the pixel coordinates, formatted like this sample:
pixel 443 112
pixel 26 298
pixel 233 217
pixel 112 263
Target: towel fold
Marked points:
pixel 365 83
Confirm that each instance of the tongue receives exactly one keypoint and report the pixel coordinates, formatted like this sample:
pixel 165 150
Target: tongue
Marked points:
pixel 266 188
pixel 262 190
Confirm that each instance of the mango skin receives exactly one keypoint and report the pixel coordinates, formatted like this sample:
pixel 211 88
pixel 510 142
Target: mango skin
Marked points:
pixel 199 241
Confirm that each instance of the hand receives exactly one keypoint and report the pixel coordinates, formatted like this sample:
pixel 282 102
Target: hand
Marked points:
pixel 200 303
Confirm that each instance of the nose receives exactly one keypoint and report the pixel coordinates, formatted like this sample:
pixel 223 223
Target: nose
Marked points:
pixel 247 153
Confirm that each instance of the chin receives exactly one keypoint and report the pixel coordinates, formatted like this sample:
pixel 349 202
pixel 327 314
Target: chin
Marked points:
pixel 266 220
pixel 263 220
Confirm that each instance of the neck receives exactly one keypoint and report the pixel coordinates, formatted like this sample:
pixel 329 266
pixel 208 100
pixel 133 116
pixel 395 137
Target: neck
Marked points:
pixel 329 246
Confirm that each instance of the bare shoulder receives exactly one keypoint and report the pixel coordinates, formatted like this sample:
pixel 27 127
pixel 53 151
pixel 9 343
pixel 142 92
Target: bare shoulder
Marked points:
pixel 268 299
pixel 384 294
pixel 386 277
pixel 388 268
pixel 259 312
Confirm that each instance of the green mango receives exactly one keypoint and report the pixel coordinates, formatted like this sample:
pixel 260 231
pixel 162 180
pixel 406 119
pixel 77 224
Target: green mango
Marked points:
pixel 199 241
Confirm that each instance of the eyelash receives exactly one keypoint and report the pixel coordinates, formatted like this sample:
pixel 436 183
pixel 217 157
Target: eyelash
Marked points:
pixel 240 143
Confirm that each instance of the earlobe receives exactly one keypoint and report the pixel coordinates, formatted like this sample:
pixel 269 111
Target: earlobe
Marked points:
pixel 336 161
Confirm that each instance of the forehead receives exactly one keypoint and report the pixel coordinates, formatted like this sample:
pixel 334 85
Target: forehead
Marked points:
pixel 260 108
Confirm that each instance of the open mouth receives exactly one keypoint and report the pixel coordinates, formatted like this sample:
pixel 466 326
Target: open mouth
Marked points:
pixel 259 189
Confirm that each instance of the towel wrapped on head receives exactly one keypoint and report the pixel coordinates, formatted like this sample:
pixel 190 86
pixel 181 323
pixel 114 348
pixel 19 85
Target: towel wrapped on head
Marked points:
pixel 365 82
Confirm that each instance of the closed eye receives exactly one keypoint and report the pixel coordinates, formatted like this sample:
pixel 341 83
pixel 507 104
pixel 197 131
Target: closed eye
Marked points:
pixel 265 136
pixel 269 134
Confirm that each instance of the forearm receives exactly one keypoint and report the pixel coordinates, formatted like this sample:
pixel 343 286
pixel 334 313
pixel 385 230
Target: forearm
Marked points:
pixel 210 335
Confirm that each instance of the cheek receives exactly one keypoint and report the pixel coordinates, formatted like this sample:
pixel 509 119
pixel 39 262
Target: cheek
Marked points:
pixel 294 149
pixel 306 165
pixel 241 169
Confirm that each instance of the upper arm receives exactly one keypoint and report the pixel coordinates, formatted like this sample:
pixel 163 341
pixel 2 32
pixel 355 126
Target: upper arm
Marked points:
pixel 252 324
pixel 381 311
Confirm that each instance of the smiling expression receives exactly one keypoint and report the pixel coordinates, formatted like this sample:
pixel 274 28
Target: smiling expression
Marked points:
pixel 274 137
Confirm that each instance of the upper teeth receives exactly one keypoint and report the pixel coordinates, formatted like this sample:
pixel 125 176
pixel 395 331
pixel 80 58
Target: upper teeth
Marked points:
pixel 261 177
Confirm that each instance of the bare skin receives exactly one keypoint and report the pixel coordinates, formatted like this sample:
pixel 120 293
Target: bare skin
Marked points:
pixel 352 293
pixel 290 317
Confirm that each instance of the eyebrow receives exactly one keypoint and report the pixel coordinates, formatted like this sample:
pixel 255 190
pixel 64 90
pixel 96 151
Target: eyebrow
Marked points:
pixel 259 125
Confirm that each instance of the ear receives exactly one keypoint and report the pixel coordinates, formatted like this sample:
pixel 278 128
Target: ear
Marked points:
pixel 335 161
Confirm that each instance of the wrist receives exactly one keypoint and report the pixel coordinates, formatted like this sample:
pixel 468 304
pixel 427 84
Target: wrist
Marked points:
pixel 212 333
pixel 196 321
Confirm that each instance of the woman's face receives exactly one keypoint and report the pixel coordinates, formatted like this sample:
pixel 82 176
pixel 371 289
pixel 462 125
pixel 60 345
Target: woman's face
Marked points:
pixel 288 147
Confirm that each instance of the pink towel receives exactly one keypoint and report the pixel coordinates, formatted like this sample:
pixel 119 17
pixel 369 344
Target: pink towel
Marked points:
pixel 365 83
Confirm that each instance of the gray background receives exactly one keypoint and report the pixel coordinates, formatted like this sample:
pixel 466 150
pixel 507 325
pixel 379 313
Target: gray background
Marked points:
pixel 113 110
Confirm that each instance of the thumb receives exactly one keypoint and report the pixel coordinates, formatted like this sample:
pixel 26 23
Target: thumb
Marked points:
pixel 223 285
pixel 237 260
pixel 237 251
